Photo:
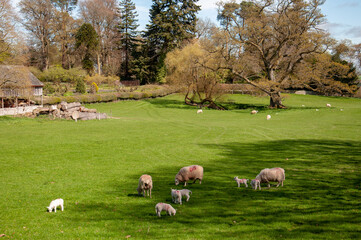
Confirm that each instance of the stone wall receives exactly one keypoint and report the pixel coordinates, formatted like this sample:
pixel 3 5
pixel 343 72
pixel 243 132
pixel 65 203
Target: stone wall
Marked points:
pixel 18 110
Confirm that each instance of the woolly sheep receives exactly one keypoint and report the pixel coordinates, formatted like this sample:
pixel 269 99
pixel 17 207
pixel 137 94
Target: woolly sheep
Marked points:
pixel 183 192
pixel 164 207
pixel 199 111
pixel 255 183
pixel 193 172
pixel 145 185
pixel 176 196
pixel 56 203
pixel 272 175
pixel 254 112
pixel 328 105
pixel 268 117
pixel 241 181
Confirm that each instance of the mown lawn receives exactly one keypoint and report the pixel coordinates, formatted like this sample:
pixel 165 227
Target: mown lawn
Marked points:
pixel 95 166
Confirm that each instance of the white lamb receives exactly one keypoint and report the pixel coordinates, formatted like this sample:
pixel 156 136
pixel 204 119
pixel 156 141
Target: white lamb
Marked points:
pixel 328 105
pixel 272 175
pixel 268 117
pixel 255 183
pixel 56 203
pixel 241 181
pixel 254 112
pixel 178 194
pixel 145 184
pixel 164 207
pixel 199 111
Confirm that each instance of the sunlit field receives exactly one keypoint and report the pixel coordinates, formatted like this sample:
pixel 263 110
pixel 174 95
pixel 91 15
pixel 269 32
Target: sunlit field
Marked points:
pixel 95 166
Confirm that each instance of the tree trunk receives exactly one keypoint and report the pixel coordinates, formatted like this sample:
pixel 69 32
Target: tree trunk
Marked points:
pixel 276 100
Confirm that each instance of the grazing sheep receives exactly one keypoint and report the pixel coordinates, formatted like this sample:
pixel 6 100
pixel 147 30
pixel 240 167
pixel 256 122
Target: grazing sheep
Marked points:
pixel 193 172
pixel 268 117
pixel 176 196
pixel 254 112
pixel 272 175
pixel 183 192
pixel 239 181
pixel 199 111
pixel 256 183
pixel 328 105
pixel 164 207
pixel 145 185
pixel 56 203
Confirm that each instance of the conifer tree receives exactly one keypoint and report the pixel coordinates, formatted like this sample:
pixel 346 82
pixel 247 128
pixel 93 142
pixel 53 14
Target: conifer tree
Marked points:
pixel 128 39
pixel 172 22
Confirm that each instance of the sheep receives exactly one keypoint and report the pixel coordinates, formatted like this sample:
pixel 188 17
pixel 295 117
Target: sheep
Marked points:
pixel 145 184
pixel 199 111
pixel 268 117
pixel 254 112
pixel 273 175
pixel 256 183
pixel 193 172
pixel 328 105
pixel 243 181
pixel 178 194
pixel 56 203
pixel 164 207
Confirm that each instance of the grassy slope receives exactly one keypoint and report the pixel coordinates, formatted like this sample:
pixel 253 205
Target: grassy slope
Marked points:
pixel 95 165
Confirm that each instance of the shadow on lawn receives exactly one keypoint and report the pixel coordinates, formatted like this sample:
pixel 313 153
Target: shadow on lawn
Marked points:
pixel 320 194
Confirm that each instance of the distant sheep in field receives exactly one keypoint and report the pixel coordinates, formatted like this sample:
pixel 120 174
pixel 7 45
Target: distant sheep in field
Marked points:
pixel 193 172
pixel 272 175
pixel 145 185
pixel 255 183
pixel 199 111
pixel 328 105
pixel 254 112
pixel 268 117
pixel 164 207
pixel 56 203
pixel 241 181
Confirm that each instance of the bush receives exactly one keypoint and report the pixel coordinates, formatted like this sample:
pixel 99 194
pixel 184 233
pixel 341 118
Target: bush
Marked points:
pixel 80 86
pixel 58 74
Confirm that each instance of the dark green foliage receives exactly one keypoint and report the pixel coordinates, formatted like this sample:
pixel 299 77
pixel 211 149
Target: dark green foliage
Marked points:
pixel 80 86
pixel 172 22
pixel 87 41
pixel 128 42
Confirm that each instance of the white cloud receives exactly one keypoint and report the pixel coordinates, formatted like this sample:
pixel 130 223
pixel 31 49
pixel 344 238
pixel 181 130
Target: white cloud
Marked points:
pixel 208 4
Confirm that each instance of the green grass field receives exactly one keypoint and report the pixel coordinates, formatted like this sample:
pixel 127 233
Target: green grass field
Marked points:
pixel 95 166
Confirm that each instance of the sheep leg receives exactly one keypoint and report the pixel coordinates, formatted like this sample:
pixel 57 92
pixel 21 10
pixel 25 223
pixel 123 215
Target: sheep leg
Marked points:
pixel 282 184
pixel 238 184
pixel 62 207
pixel 150 193
pixel 185 183
pixel 278 184
pixel 187 198
pixel 259 186
pixel 246 184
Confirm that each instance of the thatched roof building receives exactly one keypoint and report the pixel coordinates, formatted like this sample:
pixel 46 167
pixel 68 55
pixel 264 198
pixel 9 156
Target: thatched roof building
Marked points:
pixel 18 82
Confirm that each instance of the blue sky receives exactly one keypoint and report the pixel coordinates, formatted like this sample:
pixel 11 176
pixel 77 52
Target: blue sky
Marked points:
pixel 343 16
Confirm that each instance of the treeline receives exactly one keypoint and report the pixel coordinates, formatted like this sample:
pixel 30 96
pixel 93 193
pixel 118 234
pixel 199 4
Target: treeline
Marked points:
pixel 272 45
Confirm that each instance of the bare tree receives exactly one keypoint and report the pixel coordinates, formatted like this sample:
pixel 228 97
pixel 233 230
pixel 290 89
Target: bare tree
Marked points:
pixel 103 16
pixel 7 29
pixel 37 19
pixel 273 35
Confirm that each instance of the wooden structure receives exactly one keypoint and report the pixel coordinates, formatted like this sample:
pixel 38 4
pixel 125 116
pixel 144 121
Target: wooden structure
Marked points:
pixel 17 82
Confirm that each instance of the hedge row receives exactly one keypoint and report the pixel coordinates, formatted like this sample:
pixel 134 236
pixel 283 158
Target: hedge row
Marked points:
pixel 108 97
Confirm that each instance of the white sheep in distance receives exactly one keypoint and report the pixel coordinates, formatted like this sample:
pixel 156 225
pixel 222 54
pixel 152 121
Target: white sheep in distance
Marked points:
pixel 183 192
pixel 145 184
pixel 254 112
pixel 268 117
pixel 272 175
pixel 255 183
pixel 164 207
pixel 199 111
pixel 241 181
pixel 328 105
pixel 193 172
pixel 56 203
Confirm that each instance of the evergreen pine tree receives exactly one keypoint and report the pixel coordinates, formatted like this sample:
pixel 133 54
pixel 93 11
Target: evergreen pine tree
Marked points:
pixel 171 23
pixel 128 29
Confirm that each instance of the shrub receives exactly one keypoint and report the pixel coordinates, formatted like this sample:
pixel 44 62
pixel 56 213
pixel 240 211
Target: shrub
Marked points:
pixel 94 88
pixel 80 86
pixel 58 74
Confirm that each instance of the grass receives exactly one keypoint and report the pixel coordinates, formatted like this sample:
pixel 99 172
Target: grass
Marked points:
pixel 95 166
